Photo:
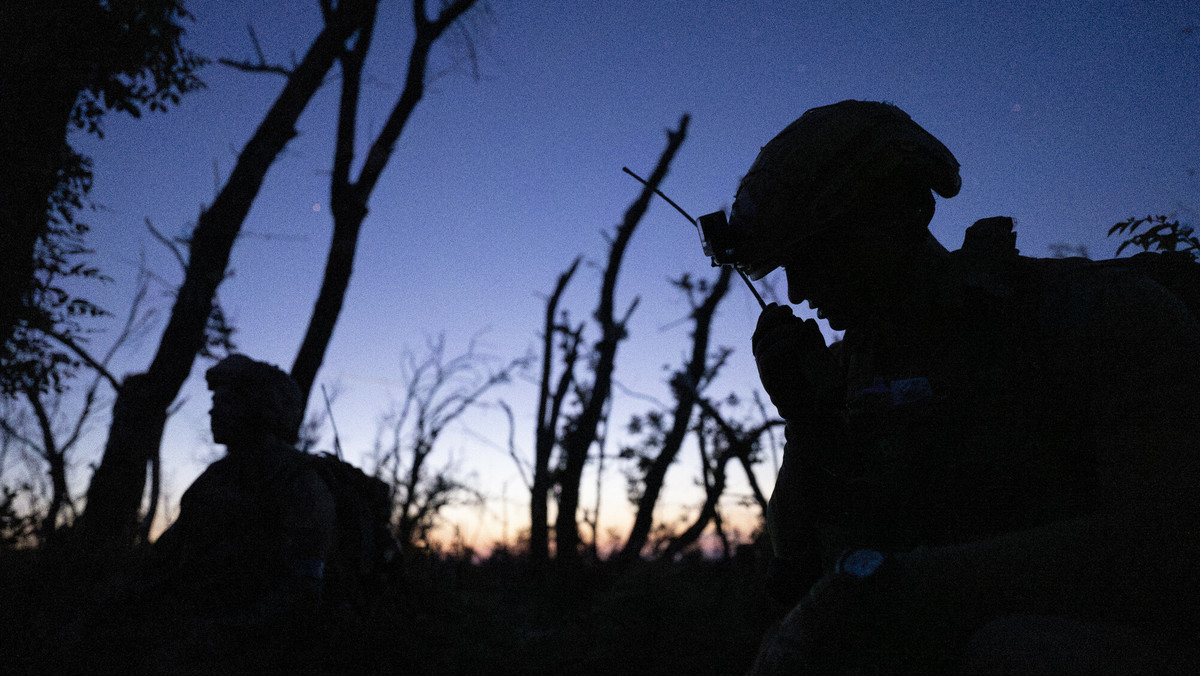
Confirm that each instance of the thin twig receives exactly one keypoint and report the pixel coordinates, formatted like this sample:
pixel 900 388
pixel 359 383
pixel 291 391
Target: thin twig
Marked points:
pixel 171 244
pixel 248 67
pixel 262 66
pixel 337 442
pixel 97 366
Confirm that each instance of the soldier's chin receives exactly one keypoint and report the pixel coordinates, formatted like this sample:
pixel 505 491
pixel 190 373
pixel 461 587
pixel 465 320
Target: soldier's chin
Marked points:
pixel 837 320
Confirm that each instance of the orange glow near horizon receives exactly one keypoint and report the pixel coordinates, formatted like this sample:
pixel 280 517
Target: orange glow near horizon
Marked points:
pixel 740 525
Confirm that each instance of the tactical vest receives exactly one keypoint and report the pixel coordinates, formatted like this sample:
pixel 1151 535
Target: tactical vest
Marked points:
pixel 962 427
pixel 233 543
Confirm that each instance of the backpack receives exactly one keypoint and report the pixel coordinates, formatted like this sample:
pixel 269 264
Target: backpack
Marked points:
pixel 365 548
pixel 990 245
pixel 1177 271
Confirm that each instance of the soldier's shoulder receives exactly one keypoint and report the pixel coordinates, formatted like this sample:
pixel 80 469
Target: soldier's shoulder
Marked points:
pixel 293 464
pixel 1067 289
pixel 301 475
pixel 1115 296
pixel 212 479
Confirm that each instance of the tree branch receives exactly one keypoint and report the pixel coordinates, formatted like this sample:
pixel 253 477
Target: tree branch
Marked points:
pixel 349 200
pixel 139 413
pixel 262 66
pixel 171 244
pixel 95 365
pixel 427 33
pixel 54 458
pixel 523 468
pixel 580 436
pixel 686 386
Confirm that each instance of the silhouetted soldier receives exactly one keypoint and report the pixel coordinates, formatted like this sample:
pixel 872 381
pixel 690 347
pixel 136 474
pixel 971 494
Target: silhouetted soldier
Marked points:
pixel 996 471
pixel 246 557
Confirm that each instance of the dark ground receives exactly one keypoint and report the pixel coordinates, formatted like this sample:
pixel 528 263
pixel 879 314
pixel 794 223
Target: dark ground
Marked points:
pixel 440 615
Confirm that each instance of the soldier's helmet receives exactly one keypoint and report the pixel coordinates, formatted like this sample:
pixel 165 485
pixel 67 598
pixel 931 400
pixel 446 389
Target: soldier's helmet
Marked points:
pixel 820 167
pixel 274 395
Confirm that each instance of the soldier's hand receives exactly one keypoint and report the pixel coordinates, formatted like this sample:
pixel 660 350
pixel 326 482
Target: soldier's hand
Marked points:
pixel 796 368
pixel 838 628
pixel 845 626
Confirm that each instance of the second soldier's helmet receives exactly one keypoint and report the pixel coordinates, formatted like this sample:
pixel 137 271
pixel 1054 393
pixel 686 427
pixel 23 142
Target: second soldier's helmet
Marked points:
pixel 277 400
pixel 824 164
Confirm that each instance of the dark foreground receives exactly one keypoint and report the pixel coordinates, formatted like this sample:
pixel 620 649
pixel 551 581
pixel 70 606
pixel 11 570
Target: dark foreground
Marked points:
pixel 441 615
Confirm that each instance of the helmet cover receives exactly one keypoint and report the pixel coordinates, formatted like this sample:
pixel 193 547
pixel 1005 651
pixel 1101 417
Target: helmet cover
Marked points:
pixel 274 394
pixel 820 167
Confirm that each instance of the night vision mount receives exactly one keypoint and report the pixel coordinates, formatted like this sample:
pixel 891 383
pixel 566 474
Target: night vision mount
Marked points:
pixel 716 237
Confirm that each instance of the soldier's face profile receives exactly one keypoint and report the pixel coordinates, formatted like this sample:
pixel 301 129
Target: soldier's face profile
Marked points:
pixel 232 415
pixel 826 272
pixel 846 274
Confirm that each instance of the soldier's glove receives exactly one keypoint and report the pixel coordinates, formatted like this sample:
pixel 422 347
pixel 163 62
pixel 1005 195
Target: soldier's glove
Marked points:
pixel 788 580
pixel 869 616
pixel 797 370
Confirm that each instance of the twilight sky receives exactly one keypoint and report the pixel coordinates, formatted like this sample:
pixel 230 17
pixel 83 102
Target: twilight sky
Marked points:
pixel 1068 116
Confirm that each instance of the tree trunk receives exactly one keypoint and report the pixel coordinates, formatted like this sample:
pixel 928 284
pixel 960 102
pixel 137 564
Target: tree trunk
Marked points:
pixel 37 94
pixel 348 201
pixel 686 393
pixel 549 410
pixel 713 490
pixel 140 410
pixel 582 432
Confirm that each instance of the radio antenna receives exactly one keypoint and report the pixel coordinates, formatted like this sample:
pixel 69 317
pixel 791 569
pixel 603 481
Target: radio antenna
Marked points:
pixel 337 443
pixel 691 220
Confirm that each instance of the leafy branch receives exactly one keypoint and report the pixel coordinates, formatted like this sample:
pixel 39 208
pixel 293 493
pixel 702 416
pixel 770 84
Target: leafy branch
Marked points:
pixel 1162 234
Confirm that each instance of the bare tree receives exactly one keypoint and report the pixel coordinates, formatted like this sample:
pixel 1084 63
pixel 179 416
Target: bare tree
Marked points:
pixel 438 392
pixel 140 410
pixel 579 431
pixel 550 403
pixel 53 455
pixel 743 440
pixel 56 433
pixel 712 477
pixel 729 440
pixel 686 385
pixel 348 199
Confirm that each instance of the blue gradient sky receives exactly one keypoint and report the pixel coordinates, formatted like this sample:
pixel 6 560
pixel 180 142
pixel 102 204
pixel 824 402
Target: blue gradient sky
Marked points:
pixel 1068 116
